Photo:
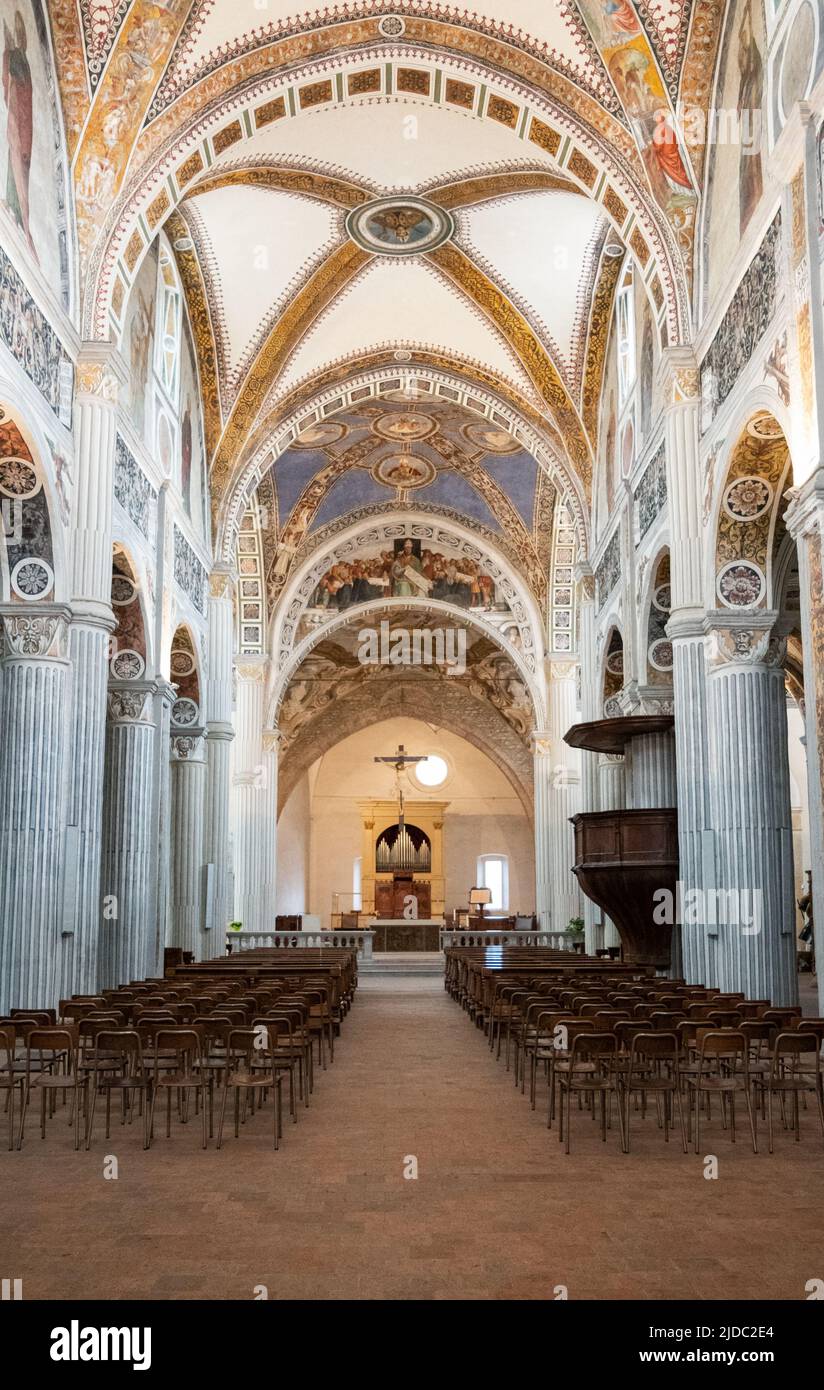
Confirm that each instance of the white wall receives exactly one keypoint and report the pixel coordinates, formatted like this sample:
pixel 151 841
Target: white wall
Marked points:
pixel 484 815
pixel 293 852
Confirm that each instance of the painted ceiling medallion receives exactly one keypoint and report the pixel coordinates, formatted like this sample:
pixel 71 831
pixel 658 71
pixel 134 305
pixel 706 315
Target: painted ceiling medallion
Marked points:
pixel 318 436
pixel 401 426
pixel 399 226
pixel 184 713
pixel 127 665
pixel 660 655
pixel 493 440
pixel 402 470
pixel 123 590
pixel 765 426
pixel 32 578
pixel 747 499
pixel 18 479
pixel 662 598
pixel 182 662
pixel 741 585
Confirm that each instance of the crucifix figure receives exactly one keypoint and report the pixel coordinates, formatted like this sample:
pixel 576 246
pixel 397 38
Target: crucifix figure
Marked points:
pixel 399 760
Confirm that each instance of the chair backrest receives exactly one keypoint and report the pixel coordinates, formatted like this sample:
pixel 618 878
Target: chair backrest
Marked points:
pixel 122 1042
pixel 56 1038
pixel 722 1042
pixel 184 1043
pixel 8 1042
pixel 659 1045
pixel 43 1016
pixel 591 1045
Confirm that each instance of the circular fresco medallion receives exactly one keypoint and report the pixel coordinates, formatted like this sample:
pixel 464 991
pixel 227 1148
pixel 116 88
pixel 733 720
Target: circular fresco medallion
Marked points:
pixel 401 426
pixel 391 26
pixel 127 665
pixel 492 438
pixel 31 578
pixel 399 226
pixel 765 426
pixel 123 590
pixel 184 713
pixel 182 662
pixel 747 498
pixel 18 479
pixel 402 470
pixel 740 585
pixel 662 598
pixel 660 654
pixel 319 435
pixel 615 663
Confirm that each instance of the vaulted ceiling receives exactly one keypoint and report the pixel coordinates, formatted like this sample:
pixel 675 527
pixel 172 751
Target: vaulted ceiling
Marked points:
pixel 376 184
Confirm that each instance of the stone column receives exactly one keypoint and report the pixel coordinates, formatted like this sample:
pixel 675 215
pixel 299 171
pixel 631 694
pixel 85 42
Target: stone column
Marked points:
pixel 35 680
pixel 565 800
pixel 585 580
pixel 805 521
pixel 249 793
pixel 127 927
pixel 100 374
pixel 544 775
pixel 219 735
pixel 650 771
pixel 269 826
pixel 188 793
pixel 679 383
pixel 750 809
pixel 612 797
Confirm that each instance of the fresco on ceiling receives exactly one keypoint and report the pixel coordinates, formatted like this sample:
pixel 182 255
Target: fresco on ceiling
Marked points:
pixel 138 342
pixel 29 179
pixel 735 179
pixel 192 452
pixel 408 571
pixel 405 450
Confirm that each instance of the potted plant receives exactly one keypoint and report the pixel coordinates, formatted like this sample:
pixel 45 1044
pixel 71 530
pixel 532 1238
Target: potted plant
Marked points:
pixel 575 925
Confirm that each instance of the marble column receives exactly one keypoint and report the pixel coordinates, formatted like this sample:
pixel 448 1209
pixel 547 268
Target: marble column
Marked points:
pixel 565 801
pixel 650 771
pixel 679 383
pixel 249 794
pixel 32 750
pixel 100 374
pixel 612 797
pixel 127 921
pixel 590 709
pixel 544 774
pixel 219 736
pixel 750 809
pixel 188 796
pixel 269 826
pixel 805 521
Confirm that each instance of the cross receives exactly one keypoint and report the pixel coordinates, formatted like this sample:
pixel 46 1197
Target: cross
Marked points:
pixel 398 760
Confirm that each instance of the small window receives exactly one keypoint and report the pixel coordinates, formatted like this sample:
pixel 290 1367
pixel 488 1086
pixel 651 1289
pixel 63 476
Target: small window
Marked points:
pixel 625 322
pixel 168 337
pixel 432 771
pixel 357 901
pixel 493 873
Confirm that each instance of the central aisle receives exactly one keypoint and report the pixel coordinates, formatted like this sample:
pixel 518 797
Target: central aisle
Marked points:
pixel 497 1210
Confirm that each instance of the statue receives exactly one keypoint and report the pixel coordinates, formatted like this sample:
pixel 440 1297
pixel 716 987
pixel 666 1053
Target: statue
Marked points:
pixel 805 907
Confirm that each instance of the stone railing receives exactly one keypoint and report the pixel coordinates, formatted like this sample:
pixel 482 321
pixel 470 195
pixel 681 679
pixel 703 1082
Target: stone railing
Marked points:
pixel 360 941
pixel 554 940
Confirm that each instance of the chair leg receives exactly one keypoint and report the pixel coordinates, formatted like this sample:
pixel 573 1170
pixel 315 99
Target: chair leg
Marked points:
pixel 222 1112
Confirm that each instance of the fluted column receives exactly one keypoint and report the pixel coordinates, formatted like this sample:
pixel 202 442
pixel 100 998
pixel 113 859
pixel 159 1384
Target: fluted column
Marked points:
pixel 35 679
pixel 99 376
pixel 269 825
pixel 805 521
pixel 565 801
pixel 219 736
pixel 188 793
pixel 248 794
pixel 680 387
pixel 750 809
pixel 127 927
pixel 650 770
pixel 543 774
pixel 612 797
pixel 593 921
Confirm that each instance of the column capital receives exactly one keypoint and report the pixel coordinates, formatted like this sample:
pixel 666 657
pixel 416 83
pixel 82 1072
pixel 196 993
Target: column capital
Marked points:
pixel 34 632
pixel 561 670
pixel 271 740
pixel 679 377
pixel 806 509
pixel 743 639
pixel 130 702
pixel 252 668
pixel 188 748
pixel 789 149
pixel 222 581
pixel 584 576
pixel 100 373
pixel 543 743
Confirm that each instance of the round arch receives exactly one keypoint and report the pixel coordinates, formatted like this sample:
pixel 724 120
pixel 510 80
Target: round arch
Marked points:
pixel 172 149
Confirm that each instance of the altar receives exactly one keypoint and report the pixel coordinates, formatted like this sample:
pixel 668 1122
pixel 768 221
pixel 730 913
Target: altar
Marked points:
pixel 406 934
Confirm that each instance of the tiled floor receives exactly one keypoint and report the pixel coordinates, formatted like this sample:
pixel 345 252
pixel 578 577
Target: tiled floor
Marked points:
pixel 497 1210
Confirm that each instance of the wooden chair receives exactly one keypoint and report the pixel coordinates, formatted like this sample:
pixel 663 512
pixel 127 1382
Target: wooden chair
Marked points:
pixel 654 1068
pixel 251 1070
pixel 178 1066
pixel 54 1069
pixel 795 1069
pixel 723 1070
pixel 10 1077
pixel 591 1070
pixel 118 1066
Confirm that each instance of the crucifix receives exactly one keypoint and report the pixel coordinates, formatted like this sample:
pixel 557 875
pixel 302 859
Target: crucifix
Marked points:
pixel 399 760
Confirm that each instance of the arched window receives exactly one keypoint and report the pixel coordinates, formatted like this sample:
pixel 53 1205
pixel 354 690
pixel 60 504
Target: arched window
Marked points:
pixel 168 331
pixel 625 323
pixel 357 901
pixel 493 873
